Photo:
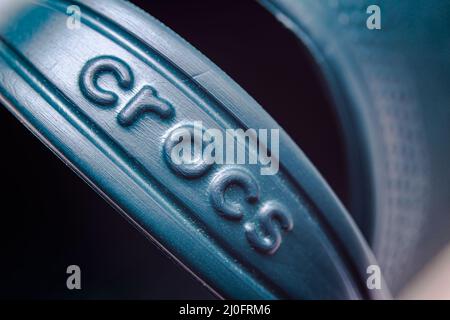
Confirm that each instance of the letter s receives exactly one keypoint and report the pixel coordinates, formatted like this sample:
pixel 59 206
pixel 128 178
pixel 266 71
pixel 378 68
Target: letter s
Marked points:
pixel 264 232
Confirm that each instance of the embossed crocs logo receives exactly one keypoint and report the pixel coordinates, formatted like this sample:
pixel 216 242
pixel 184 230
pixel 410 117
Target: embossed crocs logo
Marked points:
pixel 190 151
pixel 210 146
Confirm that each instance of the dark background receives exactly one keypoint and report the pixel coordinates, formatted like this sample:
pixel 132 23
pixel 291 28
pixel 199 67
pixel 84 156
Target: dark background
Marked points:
pixel 52 219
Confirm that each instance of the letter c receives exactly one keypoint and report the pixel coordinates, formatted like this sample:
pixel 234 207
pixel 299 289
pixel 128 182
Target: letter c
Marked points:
pixel 225 179
pixel 94 69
